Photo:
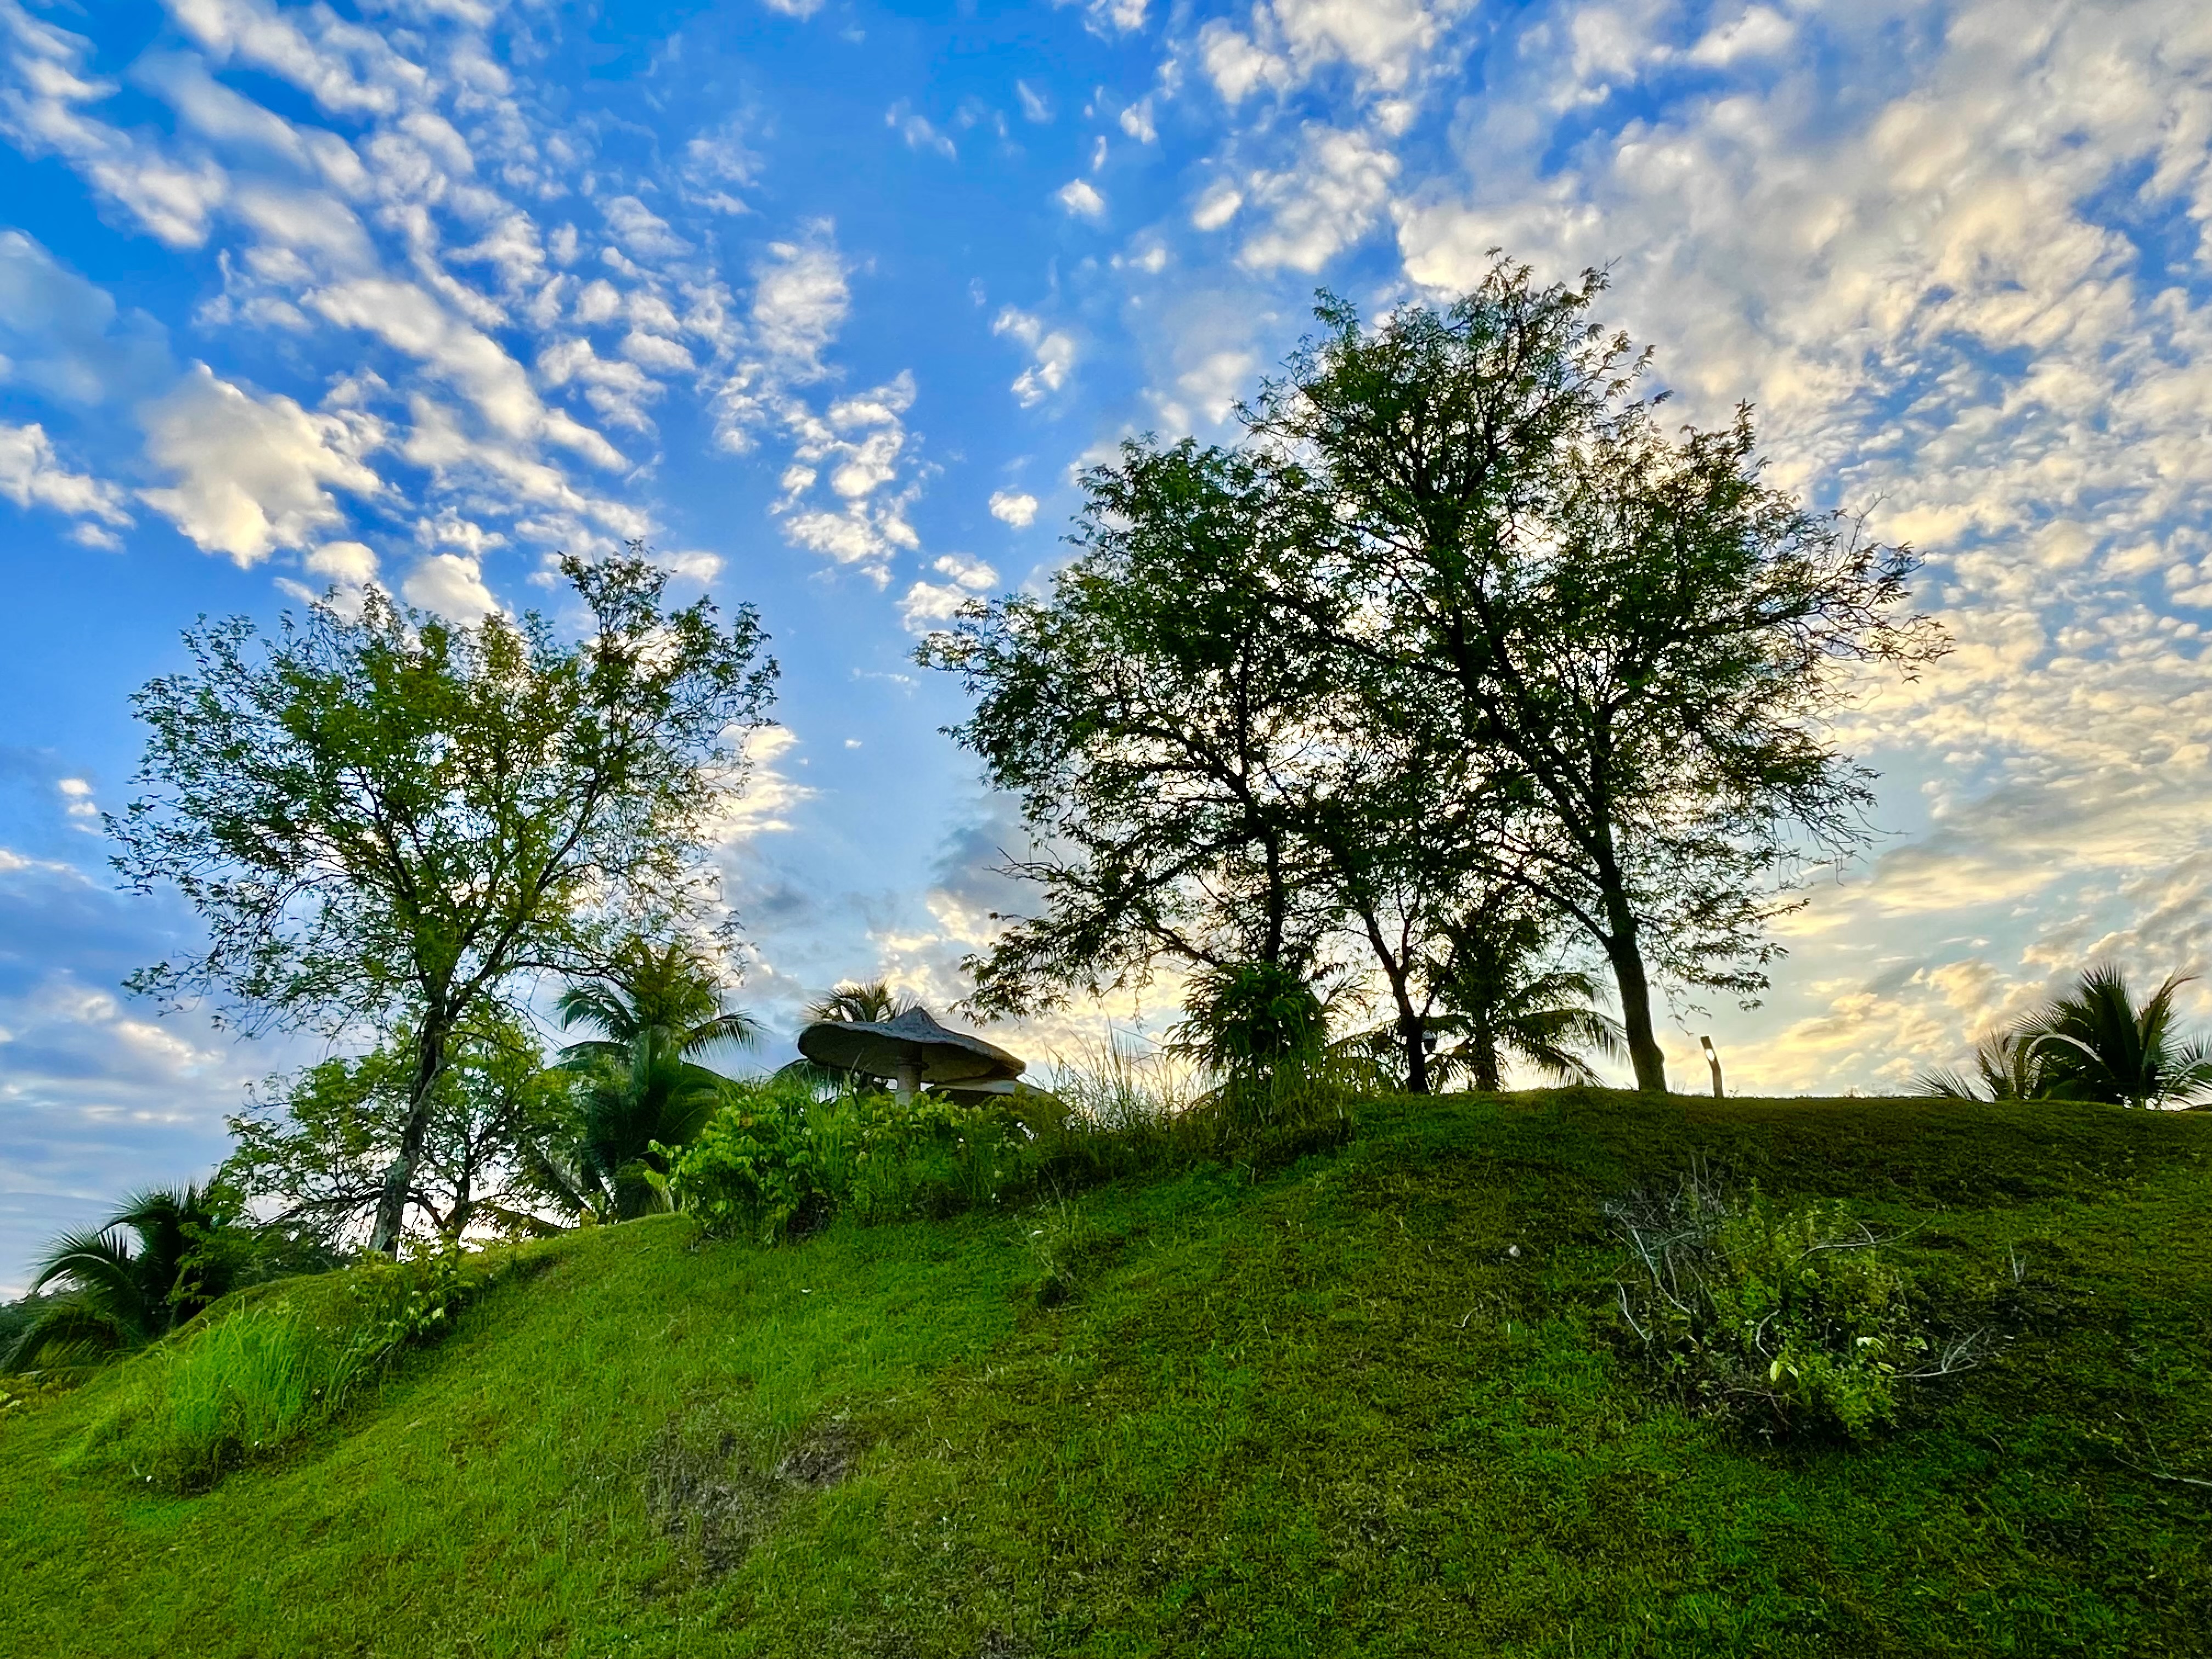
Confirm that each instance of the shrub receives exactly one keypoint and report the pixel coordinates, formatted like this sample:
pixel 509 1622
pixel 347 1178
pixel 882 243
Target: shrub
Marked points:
pixel 1251 1017
pixel 1785 1319
pixel 775 1160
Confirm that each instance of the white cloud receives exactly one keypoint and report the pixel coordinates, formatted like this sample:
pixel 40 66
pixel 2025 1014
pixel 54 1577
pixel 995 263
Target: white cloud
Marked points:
pixel 1760 32
pixel 76 798
pixel 1018 510
pixel 917 132
pixel 451 584
pixel 350 565
pixel 800 9
pixel 346 69
pixel 643 234
pixel 409 320
pixel 771 792
pixel 1137 121
pixel 799 302
pixel 1116 16
pixel 1219 379
pixel 859 442
pixel 30 476
pixel 1321 205
pixel 934 602
pixel 1034 104
pixel 618 391
pixel 1053 351
pixel 42 104
pixel 1077 197
pixel 255 473
pixel 1217 207
pixel 1386 45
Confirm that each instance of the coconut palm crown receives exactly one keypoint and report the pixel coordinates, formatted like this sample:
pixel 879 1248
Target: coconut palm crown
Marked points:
pixel 2097 1043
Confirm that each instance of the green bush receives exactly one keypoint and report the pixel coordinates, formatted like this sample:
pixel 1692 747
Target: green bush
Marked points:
pixel 776 1161
pixel 248 1380
pixel 1785 1319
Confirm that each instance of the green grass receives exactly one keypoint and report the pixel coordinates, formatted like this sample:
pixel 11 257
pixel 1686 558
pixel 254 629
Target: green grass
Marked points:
pixel 1326 1411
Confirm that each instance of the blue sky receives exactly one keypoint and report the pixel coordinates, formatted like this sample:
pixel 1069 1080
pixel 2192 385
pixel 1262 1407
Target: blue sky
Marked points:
pixel 827 300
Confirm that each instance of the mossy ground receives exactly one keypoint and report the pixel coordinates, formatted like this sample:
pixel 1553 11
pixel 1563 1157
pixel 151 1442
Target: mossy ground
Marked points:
pixel 1325 1410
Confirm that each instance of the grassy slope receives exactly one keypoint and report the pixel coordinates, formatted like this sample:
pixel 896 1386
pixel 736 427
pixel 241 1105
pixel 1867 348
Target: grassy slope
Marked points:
pixel 1323 1413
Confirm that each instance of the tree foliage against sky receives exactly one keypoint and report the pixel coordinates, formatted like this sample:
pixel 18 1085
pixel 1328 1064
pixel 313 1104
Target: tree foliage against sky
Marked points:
pixel 383 819
pixel 1460 613
pixel 1626 639
pixel 315 1150
pixel 1163 730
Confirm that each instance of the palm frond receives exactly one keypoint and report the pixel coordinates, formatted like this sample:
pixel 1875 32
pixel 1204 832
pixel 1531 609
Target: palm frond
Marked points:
pixel 1944 1083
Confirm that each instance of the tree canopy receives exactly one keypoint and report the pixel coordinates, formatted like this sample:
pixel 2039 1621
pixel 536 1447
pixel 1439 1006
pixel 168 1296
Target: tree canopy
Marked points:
pixel 383 819
pixel 1458 613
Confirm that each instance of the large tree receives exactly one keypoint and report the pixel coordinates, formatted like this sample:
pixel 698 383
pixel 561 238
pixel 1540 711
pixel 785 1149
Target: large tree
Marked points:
pixel 1162 729
pixel 1622 639
pixel 384 820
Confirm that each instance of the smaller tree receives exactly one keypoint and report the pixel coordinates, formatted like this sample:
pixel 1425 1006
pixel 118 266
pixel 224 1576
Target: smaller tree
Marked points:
pixel 2007 1067
pixel 1156 716
pixel 638 1083
pixel 853 1003
pixel 1249 1020
pixel 2097 1043
pixel 1501 1004
pixel 387 818
pixel 1626 642
pixel 315 1152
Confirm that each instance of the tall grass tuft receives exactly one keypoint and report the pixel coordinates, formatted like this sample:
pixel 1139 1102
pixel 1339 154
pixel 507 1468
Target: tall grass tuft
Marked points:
pixel 236 1390
pixel 243 1383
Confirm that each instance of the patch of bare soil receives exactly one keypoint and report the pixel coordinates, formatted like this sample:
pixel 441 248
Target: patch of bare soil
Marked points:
pixel 715 1498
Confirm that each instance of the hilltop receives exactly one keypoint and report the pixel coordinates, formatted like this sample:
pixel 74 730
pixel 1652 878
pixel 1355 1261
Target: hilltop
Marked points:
pixel 1370 1403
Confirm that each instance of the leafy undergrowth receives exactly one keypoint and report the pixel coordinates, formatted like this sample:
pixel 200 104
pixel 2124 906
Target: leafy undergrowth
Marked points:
pixel 1375 1403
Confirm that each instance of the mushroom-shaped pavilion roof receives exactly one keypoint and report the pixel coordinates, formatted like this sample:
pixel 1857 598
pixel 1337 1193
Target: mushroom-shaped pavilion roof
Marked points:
pixel 913 1043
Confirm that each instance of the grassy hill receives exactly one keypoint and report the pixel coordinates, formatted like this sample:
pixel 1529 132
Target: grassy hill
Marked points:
pixel 1371 1404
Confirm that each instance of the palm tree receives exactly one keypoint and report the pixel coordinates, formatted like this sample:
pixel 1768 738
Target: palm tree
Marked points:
pixel 1248 1019
pixel 670 989
pixel 2008 1066
pixel 2095 1043
pixel 850 1002
pixel 119 1294
pixel 638 1082
pixel 1499 1009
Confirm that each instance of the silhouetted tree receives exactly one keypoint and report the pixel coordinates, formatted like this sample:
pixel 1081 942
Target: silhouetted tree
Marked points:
pixel 1624 640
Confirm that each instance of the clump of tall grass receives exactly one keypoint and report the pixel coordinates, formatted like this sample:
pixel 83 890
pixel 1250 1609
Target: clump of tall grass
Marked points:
pixel 243 1383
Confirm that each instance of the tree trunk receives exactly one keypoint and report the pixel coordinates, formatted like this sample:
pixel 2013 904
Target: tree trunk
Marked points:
pixel 1414 1028
pixel 1410 1024
pixel 1483 1041
pixel 1626 956
pixel 399 1175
